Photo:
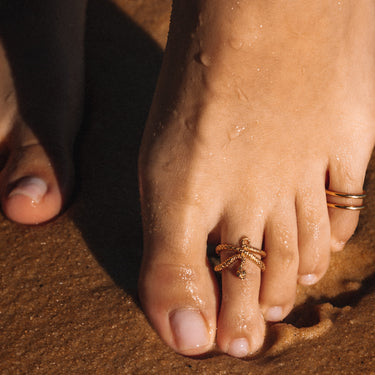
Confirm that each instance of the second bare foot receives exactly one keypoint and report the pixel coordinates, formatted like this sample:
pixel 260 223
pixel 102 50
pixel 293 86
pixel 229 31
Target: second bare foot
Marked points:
pixel 41 99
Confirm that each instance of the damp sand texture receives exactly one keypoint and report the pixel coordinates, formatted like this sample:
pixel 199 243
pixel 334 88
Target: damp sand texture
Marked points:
pixel 68 296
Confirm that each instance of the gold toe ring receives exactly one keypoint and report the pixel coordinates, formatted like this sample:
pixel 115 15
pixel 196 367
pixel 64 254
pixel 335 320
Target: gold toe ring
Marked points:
pixel 345 195
pixel 241 253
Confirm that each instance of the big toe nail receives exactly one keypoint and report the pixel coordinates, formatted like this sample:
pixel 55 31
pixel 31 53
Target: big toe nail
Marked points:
pixel 33 187
pixel 189 328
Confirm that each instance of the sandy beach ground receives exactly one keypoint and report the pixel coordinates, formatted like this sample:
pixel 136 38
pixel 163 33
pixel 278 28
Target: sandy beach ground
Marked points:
pixel 68 298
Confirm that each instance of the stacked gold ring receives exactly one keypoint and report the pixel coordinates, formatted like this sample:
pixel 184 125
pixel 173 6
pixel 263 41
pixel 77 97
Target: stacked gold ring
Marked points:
pixel 345 195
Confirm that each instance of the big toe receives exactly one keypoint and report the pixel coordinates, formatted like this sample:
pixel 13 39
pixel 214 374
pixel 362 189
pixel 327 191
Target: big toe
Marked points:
pixel 32 191
pixel 178 291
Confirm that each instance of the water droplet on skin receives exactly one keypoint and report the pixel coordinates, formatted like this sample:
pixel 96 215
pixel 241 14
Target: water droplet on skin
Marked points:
pixel 167 166
pixel 235 43
pixel 238 129
pixel 204 59
pixel 242 96
pixel 236 5
pixel 190 123
pixel 158 129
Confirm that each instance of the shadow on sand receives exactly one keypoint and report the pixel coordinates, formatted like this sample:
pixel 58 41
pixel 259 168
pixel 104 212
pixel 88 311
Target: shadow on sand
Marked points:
pixel 122 68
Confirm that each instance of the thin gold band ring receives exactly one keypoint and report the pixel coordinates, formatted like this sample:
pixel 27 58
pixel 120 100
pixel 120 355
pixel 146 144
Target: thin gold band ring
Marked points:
pixel 344 195
pixel 352 208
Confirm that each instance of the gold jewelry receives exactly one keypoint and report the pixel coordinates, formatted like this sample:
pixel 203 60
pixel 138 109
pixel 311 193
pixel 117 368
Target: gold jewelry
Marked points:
pixel 345 195
pixel 352 208
pixel 245 251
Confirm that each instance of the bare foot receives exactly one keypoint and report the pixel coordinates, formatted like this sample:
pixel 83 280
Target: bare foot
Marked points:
pixel 260 106
pixel 41 95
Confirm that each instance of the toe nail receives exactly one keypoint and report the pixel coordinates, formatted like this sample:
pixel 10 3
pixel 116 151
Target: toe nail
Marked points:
pixel 239 348
pixel 337 245
pixel 308 279
pixel 32 187
pixel 274 314
pixel 189 329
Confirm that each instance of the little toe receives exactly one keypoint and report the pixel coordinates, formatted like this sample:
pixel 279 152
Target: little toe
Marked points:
pixel 177 288
pixel 313 234
pixel 32 192
pixel 343 221
pixel 279 280
pixel 241 326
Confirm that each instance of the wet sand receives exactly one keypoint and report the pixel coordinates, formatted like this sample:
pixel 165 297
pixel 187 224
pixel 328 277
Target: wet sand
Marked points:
pixel 68 299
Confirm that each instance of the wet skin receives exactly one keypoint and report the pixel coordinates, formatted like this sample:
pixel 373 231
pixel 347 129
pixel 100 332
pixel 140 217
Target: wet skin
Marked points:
pixel 260 107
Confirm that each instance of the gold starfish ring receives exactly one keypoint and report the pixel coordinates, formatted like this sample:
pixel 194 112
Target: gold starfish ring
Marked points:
pixel 245 251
